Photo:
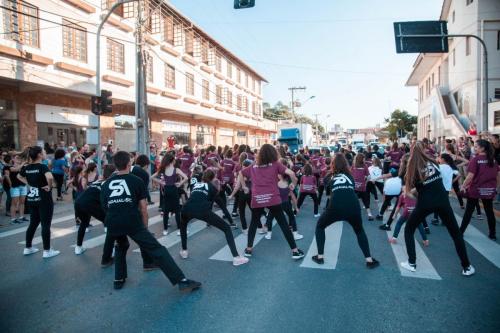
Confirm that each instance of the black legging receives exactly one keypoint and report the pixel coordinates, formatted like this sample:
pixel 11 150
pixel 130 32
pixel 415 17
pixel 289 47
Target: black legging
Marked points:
pixel 371 187
pixel 150 249
pixel 277 212
pixel 221 201
pixel 321 190
pixel 445 212
pixel 488 209
pixel 287 208
pixel 235 202
pixel 41 214
pixel 456 189
pixel 349 213
pixel 243 201
pixel 212 219
pixel 59 178
pixel 365 198
pixel 386 203
pixel 314 197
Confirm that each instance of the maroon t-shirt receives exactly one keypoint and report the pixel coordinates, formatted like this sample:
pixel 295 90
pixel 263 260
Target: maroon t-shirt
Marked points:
pixel 265 192
pixel 211 156
pixel 228 171
pixel 484 182
pixel 186 161
pixel 395 156
pixel 308 184
pixel 359 175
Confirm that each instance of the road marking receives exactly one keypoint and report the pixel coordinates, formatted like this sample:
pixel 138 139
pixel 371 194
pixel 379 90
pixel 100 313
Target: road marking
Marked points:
pixel 333 235
pixel 425 270
pixel 224 254
pixel 54 233
pixel 479 241
pixel 171 239
pixel 54 221
pixel 99 240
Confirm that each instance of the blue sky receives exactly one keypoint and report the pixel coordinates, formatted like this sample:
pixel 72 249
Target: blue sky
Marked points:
pixel 341 50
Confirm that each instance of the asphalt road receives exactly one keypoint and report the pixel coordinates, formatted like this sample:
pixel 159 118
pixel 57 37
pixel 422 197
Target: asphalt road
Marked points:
pixel 273 293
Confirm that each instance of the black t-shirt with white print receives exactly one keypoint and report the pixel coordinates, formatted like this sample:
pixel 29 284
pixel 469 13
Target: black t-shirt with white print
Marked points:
pixel 343 196
pixel 35 176
pixel 431 187
pixel 201 198
pixel 90 199
pixel 120 196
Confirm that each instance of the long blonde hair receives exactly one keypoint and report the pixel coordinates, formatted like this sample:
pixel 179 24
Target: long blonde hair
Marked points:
pixel 417 165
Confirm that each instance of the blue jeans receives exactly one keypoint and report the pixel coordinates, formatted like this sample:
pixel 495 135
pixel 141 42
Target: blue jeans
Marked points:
pixel 399 224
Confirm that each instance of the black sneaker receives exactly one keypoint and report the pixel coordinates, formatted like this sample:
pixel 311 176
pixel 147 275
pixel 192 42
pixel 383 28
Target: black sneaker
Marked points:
pixel 247 253
pixel 427 230
pixel 118 284
pixel 150 267
pixel 224 217
pixel 319 261
pixel 298 254
pixel 384 226
pixel 374 263
pixel 493 237
pixel 379 217
pixel 370 218
pixel 188 285
pixel 106 263
pixel 435 221
pixel 234 214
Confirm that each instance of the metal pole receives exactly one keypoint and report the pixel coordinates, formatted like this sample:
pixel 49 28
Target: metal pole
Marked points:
pixel 292 89
pixel 98 74
pixel 485 113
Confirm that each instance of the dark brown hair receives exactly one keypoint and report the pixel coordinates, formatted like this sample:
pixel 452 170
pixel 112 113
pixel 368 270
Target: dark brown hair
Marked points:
pixel 208 176
pixel 308 170
pixel 267 154
pixel 340 164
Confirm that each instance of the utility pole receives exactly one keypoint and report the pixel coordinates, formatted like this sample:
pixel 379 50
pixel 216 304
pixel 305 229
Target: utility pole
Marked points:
pixel 292 89
pixel 141 112
pixel 317 127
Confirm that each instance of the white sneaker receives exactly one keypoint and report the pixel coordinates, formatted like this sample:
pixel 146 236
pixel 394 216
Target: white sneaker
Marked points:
pixel 87 230
pixel 297 236
pixel 268 235
pixel 30 250
pixel 261 231
pixel 165 232
pixel 240 261
pixel 245 231
pixel 406 265
pixel 113 253
pixel 50 253
pixel 468 271
pixel 317 215
pixel 179 232
pixel 105 229
pixel 184 254
pixel 79 250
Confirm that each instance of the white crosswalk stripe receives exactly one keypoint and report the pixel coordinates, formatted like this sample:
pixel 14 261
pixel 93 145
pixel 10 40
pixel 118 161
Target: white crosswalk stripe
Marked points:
pixel 224 254
pixel 333 235
pixel 479 241
pixel 425 270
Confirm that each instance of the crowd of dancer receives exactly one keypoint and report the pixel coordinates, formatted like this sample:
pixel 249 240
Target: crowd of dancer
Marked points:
pixel 270 182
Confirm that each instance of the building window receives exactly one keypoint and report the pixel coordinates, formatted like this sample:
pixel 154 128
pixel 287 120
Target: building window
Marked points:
pixel 468 2
pixel 239 102
pixel 189 84
pixel 432 80
pixel 229 69
pixel 224 96
pixel 246 80
pixel 453 57
pixel 467 46
pixel 204 52
pixel 149 68
pixel 168 29
pixel 116 56
pixel 218 94
pixel 205 89
pixel 498 40
pixel 218 62
pixel 9 125
pixel 229 98
pixel 189 42
pixel 21 22
pixel 74 41
pixel 497 93
pixel 254 108
pixel 496 120
pixel 238 73
pixel 453 17
pixel 244 104
pixel 169 76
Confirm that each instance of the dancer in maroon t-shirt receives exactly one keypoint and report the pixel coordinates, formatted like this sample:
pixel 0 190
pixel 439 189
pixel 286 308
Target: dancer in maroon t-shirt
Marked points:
pixel 265 193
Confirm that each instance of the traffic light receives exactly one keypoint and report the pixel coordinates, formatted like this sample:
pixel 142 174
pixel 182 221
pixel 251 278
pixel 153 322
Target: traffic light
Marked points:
pixel 241 4
pixel 102 104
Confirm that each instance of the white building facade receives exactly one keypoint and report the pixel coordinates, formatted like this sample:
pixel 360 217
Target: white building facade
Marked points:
pixel 451 85
pixel 197 90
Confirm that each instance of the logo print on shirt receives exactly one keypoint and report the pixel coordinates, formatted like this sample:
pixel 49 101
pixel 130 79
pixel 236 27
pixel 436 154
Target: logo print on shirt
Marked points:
pixel 118 186
pixel 341 179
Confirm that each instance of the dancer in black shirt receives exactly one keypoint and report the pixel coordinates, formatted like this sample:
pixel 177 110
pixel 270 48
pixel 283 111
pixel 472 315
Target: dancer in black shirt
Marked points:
pixel 123 198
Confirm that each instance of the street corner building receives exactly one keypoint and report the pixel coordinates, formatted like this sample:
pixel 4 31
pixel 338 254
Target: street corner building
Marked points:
pixel 451 93
pixel 197 91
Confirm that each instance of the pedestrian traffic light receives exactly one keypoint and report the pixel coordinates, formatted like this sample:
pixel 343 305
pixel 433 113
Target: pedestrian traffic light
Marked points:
pixel 241 4
pixel 102 104
pixel 106 101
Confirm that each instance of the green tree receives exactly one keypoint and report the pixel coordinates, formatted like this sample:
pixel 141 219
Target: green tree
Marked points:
pixel 400 120
pixel 281 111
